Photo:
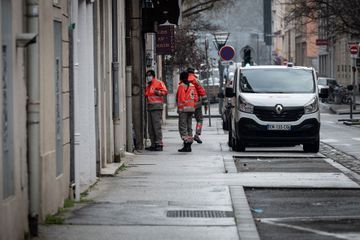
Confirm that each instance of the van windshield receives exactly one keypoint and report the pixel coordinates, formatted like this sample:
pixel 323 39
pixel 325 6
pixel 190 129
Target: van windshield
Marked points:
pixel 277 81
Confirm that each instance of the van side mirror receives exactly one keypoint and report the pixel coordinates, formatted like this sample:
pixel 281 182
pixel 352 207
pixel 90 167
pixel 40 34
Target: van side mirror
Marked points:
pixel 324 93
pixel 350 87
pixel 229 92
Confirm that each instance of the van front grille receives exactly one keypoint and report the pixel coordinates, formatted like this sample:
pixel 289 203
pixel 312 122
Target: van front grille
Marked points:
pixel 288 114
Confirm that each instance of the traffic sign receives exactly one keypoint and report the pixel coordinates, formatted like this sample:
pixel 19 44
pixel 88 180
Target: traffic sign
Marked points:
pixel 354 48
pixel 227 53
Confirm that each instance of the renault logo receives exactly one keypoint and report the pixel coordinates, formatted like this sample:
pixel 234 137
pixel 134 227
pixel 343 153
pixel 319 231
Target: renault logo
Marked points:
pixel 278 109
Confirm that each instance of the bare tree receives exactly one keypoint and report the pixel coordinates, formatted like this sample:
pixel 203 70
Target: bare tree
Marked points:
pixel 337 17
pixel 188 51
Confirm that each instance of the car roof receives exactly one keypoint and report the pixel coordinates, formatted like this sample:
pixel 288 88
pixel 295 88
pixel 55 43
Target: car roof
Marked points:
pixel 275 67
pixel 327 78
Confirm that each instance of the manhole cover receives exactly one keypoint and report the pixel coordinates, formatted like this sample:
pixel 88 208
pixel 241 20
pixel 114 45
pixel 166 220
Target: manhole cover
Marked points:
pixel 199 214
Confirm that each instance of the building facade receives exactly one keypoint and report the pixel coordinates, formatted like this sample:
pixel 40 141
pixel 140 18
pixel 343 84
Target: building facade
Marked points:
pixel 35 115
pixel 63 104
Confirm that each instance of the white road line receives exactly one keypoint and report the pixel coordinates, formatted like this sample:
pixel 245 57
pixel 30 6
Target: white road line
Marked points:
pixel 357 139
pixel 276 222
pixel 329 140
pixel 343 144
pixel 330 122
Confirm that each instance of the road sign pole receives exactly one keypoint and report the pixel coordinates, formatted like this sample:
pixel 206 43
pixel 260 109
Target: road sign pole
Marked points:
pixel 208 74
pixel 354 83
pixel 354 49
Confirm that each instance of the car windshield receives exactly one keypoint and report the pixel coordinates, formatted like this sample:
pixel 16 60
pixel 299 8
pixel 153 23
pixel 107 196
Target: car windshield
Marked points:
pixel 332 82
pixel 322 81
pixel 277 81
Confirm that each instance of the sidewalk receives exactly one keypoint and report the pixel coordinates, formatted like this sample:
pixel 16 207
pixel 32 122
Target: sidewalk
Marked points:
pixel 166 195
pixel 342 109
pixel 171 195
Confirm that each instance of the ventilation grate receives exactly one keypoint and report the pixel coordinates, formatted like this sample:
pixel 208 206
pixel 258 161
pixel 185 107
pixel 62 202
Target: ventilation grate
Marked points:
pixel 199 214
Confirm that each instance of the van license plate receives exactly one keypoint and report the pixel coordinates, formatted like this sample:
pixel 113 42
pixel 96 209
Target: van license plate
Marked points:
pixel 279 127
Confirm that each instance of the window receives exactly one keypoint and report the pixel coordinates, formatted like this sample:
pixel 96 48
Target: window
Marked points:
pixel 7 103
pixel 58 95
pixel 277 81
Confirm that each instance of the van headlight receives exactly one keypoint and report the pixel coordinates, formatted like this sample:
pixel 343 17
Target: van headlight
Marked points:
pixel 312 106
pixel 245 106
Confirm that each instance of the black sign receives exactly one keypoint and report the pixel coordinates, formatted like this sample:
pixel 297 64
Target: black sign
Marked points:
pixel 322 42
pixel 165 40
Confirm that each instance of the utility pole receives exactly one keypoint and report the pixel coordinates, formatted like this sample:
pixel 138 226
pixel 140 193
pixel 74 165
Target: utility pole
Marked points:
pixel 207 76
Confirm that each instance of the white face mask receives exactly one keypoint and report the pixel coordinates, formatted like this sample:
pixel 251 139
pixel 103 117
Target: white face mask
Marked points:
pixel 149 78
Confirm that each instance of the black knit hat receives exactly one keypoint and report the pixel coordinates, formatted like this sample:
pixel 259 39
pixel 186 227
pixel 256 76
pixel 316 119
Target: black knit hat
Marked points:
pixel 184 76
pixel 190 70
pixel 152 73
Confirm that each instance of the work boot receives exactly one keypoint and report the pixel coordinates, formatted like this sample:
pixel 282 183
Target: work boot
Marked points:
pixel 158 148
pixel 151 148
pixel 197 139
pixel 186 148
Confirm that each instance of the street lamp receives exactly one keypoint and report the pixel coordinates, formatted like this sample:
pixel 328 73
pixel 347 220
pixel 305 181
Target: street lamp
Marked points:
pixel 220 41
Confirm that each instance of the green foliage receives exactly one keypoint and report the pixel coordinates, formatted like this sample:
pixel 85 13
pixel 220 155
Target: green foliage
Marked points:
pixel 54 219
pixel 68 203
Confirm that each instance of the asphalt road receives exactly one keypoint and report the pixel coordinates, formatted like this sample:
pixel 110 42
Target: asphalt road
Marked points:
pixel 308 213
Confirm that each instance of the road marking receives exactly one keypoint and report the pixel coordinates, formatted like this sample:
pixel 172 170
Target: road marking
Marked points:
pixel 348 172
pixel 329 140
pixel 357 139
pixel 343 144
pixel 330 122
pixel 277 222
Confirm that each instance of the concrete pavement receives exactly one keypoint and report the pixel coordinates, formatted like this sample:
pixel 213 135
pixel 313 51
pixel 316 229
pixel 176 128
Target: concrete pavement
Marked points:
pixel 171 195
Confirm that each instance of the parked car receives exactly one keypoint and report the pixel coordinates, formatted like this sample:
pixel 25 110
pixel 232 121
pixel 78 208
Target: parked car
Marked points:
pixel 211 87
pixel 275 105
pixel 325 82
pixel 227 105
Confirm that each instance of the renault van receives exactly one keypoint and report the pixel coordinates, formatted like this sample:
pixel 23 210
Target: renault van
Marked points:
pixel 275 106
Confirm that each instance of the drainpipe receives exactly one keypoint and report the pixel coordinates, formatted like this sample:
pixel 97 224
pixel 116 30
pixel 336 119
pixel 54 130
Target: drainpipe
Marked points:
pixel 129 127
pixel 115 78
pixel 72 103
pixel 33 117
pixel 75 75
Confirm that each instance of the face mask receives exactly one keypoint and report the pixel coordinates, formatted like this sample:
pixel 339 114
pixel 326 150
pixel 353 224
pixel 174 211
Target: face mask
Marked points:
pixel 149 78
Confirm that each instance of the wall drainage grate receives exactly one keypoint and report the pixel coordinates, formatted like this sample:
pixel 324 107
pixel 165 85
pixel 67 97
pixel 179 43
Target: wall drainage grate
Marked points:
pixel 199 214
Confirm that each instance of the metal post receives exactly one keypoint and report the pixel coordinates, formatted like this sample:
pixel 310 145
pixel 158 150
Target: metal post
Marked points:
pixel 208 73
pixel 221 84
pixel 129 127
pixel 33 115
pixel 257 50
pixel 354 83
pixel 115 80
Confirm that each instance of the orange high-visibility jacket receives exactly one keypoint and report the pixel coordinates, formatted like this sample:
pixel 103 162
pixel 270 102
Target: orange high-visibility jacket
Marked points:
pixel 199 89
pixel 155 92
pixel 186 97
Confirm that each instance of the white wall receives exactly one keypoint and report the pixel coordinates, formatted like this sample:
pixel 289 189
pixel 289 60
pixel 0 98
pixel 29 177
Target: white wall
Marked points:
pixel 85 145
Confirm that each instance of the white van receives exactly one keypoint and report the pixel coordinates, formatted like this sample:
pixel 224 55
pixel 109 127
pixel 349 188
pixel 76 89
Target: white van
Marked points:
pixel 276 106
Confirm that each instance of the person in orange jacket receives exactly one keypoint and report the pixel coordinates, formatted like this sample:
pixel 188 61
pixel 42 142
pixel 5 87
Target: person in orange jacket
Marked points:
pixel 202 100
pixel 154 92
pixel 186 98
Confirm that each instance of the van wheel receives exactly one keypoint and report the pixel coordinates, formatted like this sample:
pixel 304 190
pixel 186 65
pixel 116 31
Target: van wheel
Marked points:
pixel 238 145
pixel 312 147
